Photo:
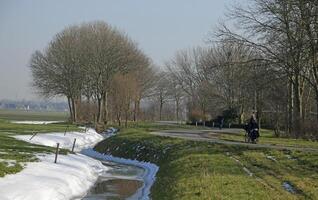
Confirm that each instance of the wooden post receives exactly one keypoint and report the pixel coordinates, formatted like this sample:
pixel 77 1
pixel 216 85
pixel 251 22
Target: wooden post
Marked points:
pixel 73 145
pixel 57 151
pixel 34 134
pixel 66 130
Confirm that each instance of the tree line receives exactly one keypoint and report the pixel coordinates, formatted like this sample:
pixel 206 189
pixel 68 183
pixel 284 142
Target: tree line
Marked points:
pixel 262 58
pixel 265 63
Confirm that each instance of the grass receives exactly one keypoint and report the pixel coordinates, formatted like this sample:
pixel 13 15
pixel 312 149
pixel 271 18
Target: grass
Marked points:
pixel 201 170
pixel 32 115
pixel 7 127
pixel 267 137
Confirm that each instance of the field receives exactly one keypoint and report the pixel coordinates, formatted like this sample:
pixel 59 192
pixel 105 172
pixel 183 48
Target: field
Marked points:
pixel 32 115
pixel 202 170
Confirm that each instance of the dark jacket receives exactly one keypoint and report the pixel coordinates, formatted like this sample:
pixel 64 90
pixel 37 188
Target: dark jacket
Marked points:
pixel 252 124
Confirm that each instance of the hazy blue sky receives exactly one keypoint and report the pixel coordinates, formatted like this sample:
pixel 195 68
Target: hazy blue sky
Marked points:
pixel 160 27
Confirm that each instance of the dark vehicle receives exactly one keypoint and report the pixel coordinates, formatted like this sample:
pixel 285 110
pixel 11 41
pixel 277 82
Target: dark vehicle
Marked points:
pixel 251 131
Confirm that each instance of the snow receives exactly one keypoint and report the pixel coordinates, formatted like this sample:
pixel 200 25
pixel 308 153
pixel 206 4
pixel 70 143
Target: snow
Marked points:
pixel 70 178
pixel 239 162
pixel 73 174
pixel 83 139
pixel 35 122
pixel 272 158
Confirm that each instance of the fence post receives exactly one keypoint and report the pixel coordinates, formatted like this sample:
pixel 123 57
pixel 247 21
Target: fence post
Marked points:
pixel 34 134
pixel 73 145
pixel 57 151
pixel 66 130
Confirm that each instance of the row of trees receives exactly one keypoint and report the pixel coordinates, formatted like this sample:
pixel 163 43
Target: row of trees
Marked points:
pixel 267 65
pixel 102 73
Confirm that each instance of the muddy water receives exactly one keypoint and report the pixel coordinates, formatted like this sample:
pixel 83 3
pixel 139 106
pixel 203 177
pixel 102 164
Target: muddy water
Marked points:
pixel 119 182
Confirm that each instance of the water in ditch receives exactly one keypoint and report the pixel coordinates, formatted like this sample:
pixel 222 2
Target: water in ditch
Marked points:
pixel 119 182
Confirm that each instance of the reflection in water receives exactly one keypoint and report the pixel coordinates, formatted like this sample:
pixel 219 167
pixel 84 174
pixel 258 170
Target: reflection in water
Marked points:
pixel 119 182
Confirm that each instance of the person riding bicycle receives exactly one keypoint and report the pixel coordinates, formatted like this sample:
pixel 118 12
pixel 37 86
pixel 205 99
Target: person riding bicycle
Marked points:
pixel 253 128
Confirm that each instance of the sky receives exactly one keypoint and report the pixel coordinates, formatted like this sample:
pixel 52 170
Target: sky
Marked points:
pixel 160 27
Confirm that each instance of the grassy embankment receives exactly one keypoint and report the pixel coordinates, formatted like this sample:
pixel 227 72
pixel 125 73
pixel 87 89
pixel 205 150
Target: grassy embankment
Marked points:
pixel 14 153
pixel 201 170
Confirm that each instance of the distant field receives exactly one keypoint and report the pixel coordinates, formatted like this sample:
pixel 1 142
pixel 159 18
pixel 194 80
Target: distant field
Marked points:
pixel 32 115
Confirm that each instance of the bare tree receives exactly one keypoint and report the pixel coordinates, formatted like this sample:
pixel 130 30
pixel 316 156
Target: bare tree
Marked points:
pixel 275 29
pixel 82 61
pixel 58 70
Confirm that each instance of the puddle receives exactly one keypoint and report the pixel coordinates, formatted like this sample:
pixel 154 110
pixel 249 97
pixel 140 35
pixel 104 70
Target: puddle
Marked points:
pixel 272 158
pixel 290 188
pixel 119 182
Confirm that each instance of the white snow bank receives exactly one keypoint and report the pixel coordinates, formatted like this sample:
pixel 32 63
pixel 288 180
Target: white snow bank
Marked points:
pixel 70 178
pixel 35 122
pixel 83 139
pixel 149 176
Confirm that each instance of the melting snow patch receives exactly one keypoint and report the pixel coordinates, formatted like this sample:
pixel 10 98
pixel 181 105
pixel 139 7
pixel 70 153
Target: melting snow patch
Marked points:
pixel 288 187
pixel 272 158
pixel 148 177
pixel 290 157
pixel 244 168
pixel 248 171
pixel 10 163
pixel 35 122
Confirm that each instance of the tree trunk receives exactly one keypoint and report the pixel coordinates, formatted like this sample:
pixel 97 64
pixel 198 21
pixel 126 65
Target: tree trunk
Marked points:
pixel 317 105
pixel 74 110
pixel 160 110
pixel 297 108
pixel 126 119
pixel 290 107
pixel 118 119
pixel 70 108
pixel 259 108
pixel 99 112
pixel 136 109
pixel 241 117
pixel 177 108
pixel 105 107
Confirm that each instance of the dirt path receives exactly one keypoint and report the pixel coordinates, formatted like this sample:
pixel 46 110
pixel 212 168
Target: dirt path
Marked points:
pixel 212 136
